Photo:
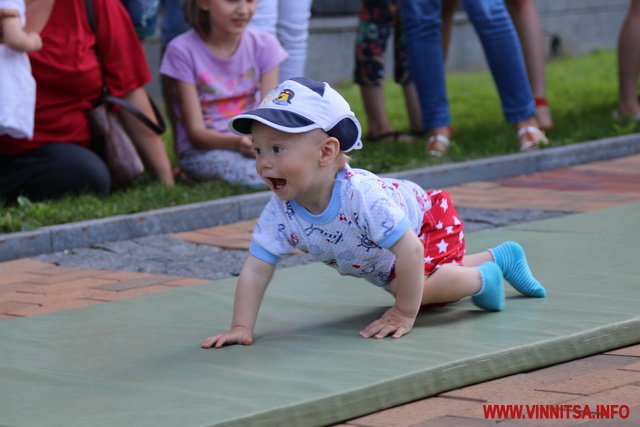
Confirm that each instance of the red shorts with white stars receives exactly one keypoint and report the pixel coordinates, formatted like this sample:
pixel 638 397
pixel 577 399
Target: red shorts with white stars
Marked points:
pixel 442 233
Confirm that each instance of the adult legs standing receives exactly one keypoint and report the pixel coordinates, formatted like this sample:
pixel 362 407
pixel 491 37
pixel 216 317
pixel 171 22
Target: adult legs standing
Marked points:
pixel 421 19
pixel 504 56
pixel 402 73
pixel 629 63
pixel 288 20
pixel 526 19
pixel 293 32
pixel 449 8
pixel 377 19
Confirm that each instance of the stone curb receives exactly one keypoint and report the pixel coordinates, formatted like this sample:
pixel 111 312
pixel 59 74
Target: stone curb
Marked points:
pixel 237 208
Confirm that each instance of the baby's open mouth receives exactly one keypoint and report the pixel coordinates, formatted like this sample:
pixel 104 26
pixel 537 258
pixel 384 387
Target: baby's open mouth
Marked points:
pixel 278 183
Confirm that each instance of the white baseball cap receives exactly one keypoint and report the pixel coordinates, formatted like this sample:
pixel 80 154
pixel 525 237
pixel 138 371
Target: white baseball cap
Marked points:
pixel 300 105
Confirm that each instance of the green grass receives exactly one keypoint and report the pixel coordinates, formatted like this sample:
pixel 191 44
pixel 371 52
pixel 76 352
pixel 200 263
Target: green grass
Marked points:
pixel 581 91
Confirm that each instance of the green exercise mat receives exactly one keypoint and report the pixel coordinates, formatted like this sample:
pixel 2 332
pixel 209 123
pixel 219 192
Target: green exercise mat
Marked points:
pixel 138 363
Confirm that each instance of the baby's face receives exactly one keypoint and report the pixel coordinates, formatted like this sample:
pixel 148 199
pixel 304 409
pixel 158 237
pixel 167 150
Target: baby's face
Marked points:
pixel 287 162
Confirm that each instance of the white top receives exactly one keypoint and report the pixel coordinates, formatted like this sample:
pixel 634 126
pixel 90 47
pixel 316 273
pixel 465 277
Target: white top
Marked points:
pixel 365 217
pixel 17 86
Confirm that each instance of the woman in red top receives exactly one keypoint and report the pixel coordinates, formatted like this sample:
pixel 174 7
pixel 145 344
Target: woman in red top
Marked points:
pixel 68 75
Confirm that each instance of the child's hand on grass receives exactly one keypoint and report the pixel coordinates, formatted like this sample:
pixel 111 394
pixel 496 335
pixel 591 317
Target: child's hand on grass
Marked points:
pixel 235 335
pixel 245 147
pixel 393 322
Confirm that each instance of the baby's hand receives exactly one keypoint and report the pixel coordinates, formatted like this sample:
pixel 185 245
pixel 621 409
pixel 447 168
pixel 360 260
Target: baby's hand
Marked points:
pixel 393 322
pixel 235 335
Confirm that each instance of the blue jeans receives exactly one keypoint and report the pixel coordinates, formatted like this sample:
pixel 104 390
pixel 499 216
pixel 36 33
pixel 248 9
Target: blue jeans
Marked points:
pixel 502 50
pixel 173 23
pixel 143 14
pixel 288 20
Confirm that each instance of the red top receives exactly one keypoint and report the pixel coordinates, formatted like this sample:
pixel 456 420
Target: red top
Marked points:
pixel 68 75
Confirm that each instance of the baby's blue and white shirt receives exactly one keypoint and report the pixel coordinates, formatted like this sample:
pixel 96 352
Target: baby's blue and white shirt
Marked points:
pixel 366 216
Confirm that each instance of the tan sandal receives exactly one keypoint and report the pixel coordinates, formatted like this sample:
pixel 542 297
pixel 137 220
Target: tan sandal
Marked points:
pixel 531 138
pixel 437 145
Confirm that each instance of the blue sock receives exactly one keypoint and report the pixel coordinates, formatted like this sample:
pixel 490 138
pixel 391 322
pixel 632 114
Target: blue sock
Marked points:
pixel 491 295
pixel 511 259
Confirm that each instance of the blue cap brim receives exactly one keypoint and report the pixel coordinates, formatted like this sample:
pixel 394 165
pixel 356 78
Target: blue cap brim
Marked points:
pixel 279 119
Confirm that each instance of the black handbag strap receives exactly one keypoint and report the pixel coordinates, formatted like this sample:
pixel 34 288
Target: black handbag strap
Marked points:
pixel 159 127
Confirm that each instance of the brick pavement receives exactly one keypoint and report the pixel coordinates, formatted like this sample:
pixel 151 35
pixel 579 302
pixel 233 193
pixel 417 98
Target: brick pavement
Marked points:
pixel 30 287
